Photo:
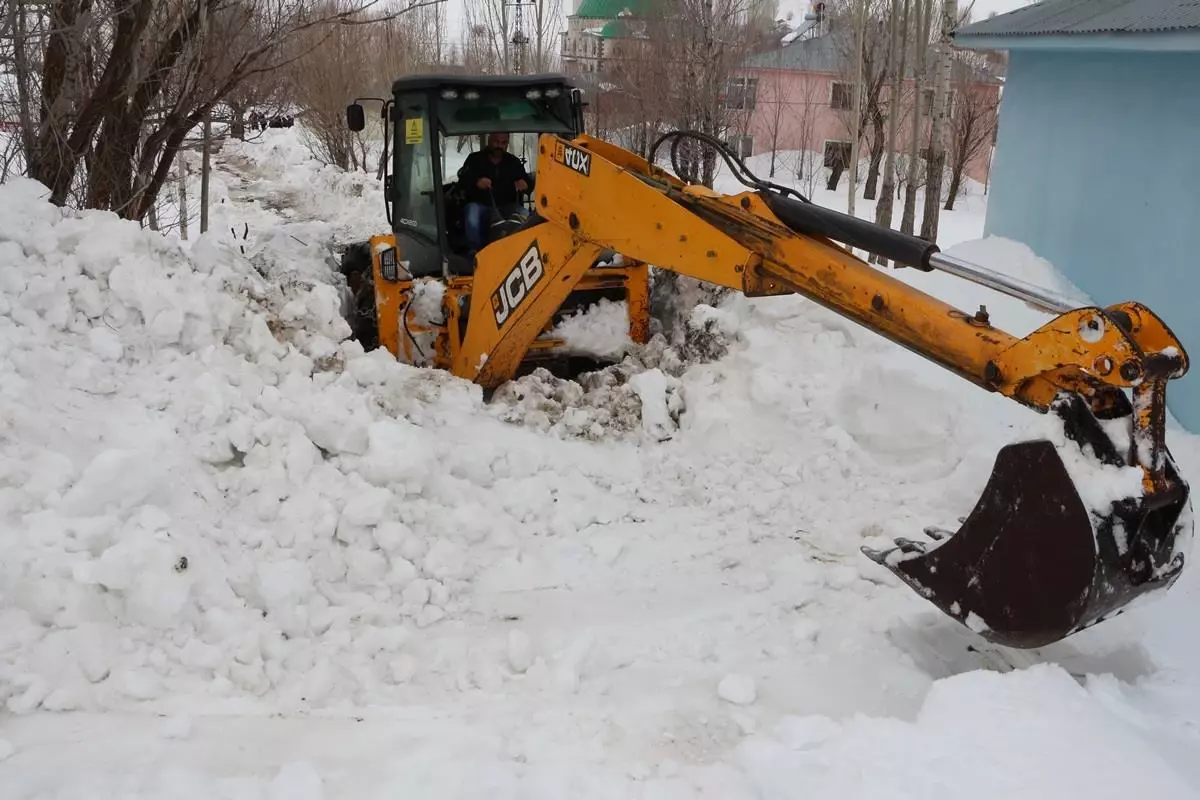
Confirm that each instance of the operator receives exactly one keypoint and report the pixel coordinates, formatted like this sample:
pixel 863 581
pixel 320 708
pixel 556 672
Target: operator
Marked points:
pixel 491 179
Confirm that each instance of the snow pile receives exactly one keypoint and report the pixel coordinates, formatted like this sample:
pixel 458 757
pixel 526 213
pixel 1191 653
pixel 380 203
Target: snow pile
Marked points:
pixel 640 396
pixel 193 505
pixel 600 330
pixel 285 179
pixel 216 509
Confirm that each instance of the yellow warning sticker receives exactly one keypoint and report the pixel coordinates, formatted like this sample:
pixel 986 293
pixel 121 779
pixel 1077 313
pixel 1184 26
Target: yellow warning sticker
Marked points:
pixel 414 131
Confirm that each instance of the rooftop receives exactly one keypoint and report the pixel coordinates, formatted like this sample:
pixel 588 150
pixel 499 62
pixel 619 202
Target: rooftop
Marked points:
pixel 610 9
pixel 822 54
pixel 1089 17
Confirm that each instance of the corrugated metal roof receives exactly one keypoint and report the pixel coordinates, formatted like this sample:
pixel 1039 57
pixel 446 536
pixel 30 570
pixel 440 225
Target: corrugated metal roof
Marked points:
pixel 821 54
pixel 809 55
pixel 610 9
pixel 1082 17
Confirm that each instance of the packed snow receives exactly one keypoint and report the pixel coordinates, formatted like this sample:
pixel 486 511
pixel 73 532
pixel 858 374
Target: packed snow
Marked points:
pixel 241 558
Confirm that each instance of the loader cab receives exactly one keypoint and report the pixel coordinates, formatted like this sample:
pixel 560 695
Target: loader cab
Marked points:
pixel 432 123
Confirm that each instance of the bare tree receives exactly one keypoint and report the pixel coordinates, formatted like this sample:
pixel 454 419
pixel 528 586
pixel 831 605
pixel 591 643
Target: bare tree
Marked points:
pixel 858 33
pixel 698 46
pixel 920 42
pixel 633 99
pixel 897 52
pixel 972 126
pixel 937 138
pixel 479 54
pixel 333 66
pixel 123 82
pixel 546 18
pixel 489 32
pixel 777 96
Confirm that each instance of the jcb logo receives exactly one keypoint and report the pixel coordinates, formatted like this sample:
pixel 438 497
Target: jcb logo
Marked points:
pixel 574 158
pixel 517 285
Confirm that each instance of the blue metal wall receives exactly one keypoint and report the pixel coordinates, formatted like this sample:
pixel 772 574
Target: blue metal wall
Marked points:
pixel 1097 169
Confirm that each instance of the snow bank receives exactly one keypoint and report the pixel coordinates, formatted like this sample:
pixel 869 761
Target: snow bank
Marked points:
pixel 333 573
pixel 208 492
pixel 1034 733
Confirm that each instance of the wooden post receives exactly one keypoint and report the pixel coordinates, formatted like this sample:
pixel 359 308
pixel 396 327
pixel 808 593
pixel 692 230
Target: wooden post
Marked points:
pixel 205 168
pixel 183 201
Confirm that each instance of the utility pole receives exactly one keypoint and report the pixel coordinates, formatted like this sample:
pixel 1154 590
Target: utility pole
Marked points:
pixel 206 144
pixel 519 40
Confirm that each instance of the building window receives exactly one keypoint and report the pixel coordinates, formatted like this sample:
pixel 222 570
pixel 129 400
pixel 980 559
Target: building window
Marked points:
pixel 741 93
pixel 837 153
pixel 841 96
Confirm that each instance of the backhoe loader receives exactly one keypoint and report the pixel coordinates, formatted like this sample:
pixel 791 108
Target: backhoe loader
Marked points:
pixel 1031 564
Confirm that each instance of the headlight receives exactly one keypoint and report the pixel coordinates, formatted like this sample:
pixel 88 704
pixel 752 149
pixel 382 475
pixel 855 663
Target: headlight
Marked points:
pixel 449 94
pixel 470 94
pixel 553 92
pixel 533 94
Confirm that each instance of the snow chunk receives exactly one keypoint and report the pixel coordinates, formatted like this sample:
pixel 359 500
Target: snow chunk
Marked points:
pixel 106 344
pixel 737 689
pixel 179 727
pixel 519 651
pixel 652 389
pixel 601 330
pixel 296 780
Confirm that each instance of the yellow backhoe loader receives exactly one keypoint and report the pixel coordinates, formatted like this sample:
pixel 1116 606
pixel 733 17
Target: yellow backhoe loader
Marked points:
pixel 1030 565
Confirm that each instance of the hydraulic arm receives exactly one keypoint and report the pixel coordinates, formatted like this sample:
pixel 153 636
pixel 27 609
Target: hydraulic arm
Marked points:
pixel 1032 563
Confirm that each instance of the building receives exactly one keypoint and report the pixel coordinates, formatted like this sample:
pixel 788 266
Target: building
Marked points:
pixel 798 97
pixel 1097 166
pixel 593 27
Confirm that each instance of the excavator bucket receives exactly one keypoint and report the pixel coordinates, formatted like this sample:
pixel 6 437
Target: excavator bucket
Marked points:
pixel 1032 563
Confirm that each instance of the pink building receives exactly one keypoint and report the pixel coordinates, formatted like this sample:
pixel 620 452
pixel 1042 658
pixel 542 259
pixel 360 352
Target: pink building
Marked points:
pixel 798 97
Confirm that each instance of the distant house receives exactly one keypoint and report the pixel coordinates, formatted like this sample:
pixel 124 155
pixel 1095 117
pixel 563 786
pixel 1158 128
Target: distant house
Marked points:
pixel 1097 163
pixel 798 97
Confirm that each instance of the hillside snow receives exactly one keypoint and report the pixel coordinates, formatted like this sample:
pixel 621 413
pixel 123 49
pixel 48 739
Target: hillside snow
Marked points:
pixel 240 558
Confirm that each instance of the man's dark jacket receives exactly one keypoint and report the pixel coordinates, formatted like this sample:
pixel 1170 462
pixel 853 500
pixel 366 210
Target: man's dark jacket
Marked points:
pixel 504 176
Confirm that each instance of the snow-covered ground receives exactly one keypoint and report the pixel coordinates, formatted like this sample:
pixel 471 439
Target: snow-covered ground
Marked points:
pixel 242 559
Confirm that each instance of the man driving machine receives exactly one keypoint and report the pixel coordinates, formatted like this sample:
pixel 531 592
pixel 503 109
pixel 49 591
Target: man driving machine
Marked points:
pixel 492 179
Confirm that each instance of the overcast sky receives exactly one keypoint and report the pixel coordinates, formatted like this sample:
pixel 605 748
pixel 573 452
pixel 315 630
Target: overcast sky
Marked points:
pixel 985 7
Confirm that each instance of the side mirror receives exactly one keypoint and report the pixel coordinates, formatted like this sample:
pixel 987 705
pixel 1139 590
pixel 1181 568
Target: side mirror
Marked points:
pixel 356 118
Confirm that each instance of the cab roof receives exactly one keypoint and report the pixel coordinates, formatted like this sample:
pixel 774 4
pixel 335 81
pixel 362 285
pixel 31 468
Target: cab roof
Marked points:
pixel 418 82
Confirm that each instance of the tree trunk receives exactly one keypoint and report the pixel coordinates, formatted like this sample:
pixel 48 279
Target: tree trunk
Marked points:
pixel 835 176
pixel 56 165
pixel 869 192
pixel 937 139
pixel 899 41
pixel 860 23
pixel 909 219
pixel 237 122
pixel 955 185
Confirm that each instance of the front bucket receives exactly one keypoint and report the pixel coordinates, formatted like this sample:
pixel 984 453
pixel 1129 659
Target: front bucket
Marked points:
pixel 1031 564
